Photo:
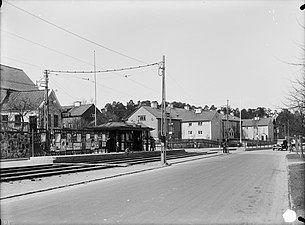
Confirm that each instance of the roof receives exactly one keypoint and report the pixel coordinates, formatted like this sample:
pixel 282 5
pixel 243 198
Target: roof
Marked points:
pixel 191 115
pixel 183 114
pixel 121 126
pixel 15 79
pixel 260 122
pixel 76 111
pixel 230 118
pixel 27 100
pixel 157 112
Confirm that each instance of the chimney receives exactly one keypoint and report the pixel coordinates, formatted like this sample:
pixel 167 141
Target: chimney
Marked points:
pixel 77 103
pixel 186 107
pixel 154 104
pixel 199 110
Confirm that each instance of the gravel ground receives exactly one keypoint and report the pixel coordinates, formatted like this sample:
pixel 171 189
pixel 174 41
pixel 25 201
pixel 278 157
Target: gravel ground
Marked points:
pixel 296 167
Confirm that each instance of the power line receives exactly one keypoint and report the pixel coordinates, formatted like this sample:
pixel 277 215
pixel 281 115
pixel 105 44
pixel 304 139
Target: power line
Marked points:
pixel 105 71
pixel 74 34
pixel 30 64
pixel 43 46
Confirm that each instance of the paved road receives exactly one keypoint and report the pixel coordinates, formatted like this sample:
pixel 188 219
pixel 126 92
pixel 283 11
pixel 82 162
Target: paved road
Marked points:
pixel 245 187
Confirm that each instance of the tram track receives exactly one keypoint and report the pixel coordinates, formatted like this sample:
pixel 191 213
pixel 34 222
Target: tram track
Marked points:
pixel 32 172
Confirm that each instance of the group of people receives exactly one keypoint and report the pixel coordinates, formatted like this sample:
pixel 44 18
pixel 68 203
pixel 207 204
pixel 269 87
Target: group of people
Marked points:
pixel 295 144
pixel 225 146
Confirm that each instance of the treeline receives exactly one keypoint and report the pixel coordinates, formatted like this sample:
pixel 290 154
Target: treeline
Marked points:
pixel 117 111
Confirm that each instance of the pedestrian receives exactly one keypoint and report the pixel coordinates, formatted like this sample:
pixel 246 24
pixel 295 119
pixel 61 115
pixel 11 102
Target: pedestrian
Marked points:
pixel 127 151
pixel 117 146
pixel 108 145
pixel 293 143
pixel 298 144
pixel 152 143
pixel 223 146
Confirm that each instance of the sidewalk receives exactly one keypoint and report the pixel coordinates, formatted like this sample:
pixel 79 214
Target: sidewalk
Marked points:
pixel 26 187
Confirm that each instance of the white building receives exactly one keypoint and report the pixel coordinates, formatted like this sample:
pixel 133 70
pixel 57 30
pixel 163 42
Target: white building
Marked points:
pixel 258 129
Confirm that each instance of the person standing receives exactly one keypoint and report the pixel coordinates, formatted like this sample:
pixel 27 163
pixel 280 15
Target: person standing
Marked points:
pixel 152 144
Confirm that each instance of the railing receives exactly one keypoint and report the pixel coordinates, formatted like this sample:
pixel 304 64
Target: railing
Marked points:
pixel 193 143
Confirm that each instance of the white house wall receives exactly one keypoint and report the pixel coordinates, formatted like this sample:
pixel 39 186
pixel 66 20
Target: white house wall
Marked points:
pixel 261 131
pixel 192 132
pixel 150 121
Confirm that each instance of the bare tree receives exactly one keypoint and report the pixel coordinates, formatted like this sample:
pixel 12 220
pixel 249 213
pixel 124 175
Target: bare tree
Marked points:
pixel 20 105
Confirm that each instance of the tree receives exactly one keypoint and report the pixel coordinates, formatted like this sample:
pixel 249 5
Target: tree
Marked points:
pixel 213 107
pixel 295 99
pixel 19 105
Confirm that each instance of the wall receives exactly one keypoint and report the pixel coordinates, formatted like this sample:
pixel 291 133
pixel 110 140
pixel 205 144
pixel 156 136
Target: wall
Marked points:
pixel 151 121
pixel 194 128
pixel 252 132
pixel 216 128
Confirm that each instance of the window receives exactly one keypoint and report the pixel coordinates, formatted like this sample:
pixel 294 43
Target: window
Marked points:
pixel 17 120
pixel 199 131
pixel 142 118
pixel 190 124
pixel 190 132
pixel 199 123
pixel 55 120
pixel 4 118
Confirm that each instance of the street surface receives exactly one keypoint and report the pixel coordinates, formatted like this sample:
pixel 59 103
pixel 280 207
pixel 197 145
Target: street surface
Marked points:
pixel 243 187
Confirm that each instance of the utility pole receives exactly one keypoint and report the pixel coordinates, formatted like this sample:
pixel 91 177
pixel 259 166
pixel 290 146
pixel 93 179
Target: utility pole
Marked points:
pixel 227 135
pixel 163 117
pixel 94 91
pixel 46 107
pixel 240 127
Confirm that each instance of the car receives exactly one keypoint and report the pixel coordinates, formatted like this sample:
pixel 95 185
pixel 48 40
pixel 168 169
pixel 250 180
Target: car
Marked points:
pixel 280 145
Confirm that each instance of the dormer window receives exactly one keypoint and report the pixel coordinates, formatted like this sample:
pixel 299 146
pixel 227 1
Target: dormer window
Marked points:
pixel 142 117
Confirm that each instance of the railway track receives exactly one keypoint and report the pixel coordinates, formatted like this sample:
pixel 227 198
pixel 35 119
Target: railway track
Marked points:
pixel 32 172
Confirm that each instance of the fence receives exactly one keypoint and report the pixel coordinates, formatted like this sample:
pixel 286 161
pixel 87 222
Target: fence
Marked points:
pixel 193 143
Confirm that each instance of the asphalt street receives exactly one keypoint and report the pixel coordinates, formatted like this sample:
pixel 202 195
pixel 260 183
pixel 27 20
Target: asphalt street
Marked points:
pixel 239 188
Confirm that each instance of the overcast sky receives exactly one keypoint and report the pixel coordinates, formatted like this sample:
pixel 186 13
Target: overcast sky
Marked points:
pixel 215 50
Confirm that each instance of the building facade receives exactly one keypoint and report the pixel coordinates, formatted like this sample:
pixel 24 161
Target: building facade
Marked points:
pixel 79 116
pixel 258 129
pixel 151 117
pixel 23 105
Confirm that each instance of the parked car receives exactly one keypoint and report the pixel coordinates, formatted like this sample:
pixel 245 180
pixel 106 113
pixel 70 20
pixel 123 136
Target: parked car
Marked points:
pixel 281 145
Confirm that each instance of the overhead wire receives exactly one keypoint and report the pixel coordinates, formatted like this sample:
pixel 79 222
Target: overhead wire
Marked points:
pixel 72 33
pixel 67 55
pixel 43 46
pixel 104 71
pixel 77 35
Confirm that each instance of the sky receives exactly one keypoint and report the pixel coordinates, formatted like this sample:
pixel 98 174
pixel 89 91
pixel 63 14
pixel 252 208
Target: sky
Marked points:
pixel 214 50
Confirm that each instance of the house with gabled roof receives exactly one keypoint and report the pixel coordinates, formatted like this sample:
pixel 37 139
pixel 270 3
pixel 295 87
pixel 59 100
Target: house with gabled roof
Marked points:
pixel 27 107
pixel 200 124
pixel 151 117
pixel 14 79
pixel 258 129
pixel 22 102
pixel 79 115
pixel 183 123
pixel 231 126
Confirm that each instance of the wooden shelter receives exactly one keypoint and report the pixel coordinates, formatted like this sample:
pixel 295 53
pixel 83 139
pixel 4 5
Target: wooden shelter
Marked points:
pixel 123 136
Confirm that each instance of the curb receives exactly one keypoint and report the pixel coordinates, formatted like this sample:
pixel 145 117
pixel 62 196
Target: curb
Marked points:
pixel 104 178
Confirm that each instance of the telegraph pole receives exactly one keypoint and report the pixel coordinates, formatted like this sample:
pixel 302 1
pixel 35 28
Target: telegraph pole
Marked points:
pixel 94 91
pixel 46 107
pixel 163 117
pixel 227 135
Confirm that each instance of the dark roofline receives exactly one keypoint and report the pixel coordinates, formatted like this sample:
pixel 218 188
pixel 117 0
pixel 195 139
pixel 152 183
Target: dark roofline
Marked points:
pixel 11 67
